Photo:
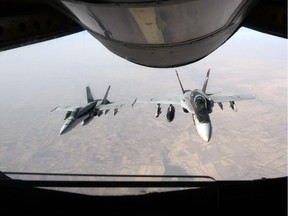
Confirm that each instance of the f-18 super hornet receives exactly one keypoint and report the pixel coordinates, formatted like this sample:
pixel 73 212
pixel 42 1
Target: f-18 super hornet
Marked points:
pixel 85 114
pixel 199 103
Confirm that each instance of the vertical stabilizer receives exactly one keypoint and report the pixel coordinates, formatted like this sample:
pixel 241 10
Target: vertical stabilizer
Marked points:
pixel 106 94
pixel 89 95
pixel 180 82
pixel 206 81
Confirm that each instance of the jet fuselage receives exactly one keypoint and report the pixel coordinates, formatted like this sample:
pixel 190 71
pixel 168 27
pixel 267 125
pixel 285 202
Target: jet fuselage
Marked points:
pixel 79 115
pixel 197 103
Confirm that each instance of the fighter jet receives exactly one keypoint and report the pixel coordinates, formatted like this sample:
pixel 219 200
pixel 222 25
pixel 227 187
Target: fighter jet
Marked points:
pixel 197 102
pixel 85 114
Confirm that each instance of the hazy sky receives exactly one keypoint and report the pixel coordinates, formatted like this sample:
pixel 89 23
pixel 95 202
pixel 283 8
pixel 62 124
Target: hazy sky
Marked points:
pixel 248 144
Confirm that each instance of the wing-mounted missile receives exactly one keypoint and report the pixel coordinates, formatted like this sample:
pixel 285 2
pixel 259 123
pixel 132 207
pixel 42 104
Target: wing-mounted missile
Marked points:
pixel 158 111
pixel 170 113
pixel 115 111
pixel 87 120
pixel 106 111
pixel 233 106
pixel 220 105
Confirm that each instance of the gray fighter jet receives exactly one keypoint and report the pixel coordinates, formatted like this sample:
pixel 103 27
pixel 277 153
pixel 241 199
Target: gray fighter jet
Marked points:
pixel 199 103
pixel 85 114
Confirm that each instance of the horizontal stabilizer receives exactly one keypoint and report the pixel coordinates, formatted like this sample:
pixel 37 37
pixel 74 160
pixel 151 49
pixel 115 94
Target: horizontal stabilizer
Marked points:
pixel 222 99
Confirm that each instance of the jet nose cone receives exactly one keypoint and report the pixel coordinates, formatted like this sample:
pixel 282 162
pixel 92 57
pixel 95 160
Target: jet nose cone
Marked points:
pixel 63 130
pixel 205 131
pixel 69 125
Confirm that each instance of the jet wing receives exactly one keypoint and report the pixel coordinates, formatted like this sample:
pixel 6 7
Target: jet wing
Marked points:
pixel 168 100
pixel 115 105
pixel 68 108
pixel 222 99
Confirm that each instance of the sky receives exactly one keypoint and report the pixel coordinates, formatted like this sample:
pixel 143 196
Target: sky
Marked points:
pixel 248 144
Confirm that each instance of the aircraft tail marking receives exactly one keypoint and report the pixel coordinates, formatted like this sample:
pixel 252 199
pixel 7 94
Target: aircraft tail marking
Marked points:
pixel 89 95
pixel 206 81
pixel 180 82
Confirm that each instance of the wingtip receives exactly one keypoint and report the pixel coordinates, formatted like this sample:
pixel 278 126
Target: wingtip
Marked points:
pixel 255 97
pixel 132 105
pixel 54 109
